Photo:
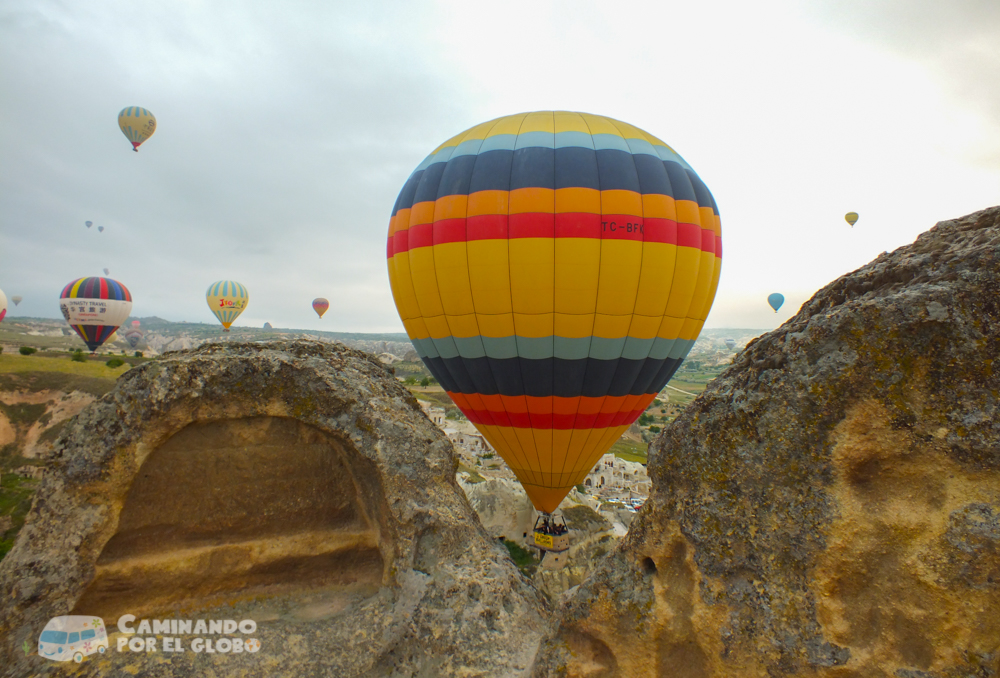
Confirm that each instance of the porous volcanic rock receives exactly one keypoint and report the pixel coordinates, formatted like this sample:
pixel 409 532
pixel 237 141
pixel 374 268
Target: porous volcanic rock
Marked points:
pixel 830 506
pixel 295 484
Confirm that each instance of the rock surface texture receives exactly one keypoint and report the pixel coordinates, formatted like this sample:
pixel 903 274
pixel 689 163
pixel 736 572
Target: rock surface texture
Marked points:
pixel 295 484
pixel 831 505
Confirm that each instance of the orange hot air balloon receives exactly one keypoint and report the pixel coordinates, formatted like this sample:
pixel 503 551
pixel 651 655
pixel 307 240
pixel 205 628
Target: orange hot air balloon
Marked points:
pixel 552 270
pixel 320 305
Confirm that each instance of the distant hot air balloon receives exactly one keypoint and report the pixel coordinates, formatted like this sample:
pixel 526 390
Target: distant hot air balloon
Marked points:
pixel 17 298
pixel 851 218
pixel 227 299
pixel 135 323
pixel 3 305
pixel 267 326
pixel 95 308
pixel 730 344
pixel 107 272
pixel 320 305
pixel 133 337
pixel 88 224
pixel 775 300
pixel 100 229
pixel 137 124
pixel 112 339
pixel 553 270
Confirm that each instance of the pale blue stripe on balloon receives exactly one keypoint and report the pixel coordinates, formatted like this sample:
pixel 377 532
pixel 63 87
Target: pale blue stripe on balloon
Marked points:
pixel 500 347
pixel 499 142
pixel 535 140
pixel 661 348
pixel 641 147
pixel 606 349
pixel 425 348
pixel 668 155
pixel 446 347
pixel 681 348
pixel 470 347
pixel 605 142
pixel 637 349
pixel 470 147
pixel 571 348
pixel 574 140
pixel 534 348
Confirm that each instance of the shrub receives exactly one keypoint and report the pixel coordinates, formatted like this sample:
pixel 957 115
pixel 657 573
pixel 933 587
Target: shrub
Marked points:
pixel 645 419
pixel 138 354
pixel 27 350
pixel 425 382
pixel 115 362
pixel 1 349
pixel 78 356
pixel 654 429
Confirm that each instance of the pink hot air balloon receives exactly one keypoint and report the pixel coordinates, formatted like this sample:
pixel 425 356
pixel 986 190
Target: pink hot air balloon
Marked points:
pixel 135 323
pixel 320 305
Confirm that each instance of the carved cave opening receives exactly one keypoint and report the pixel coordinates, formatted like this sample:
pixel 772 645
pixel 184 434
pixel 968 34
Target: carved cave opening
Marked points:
pixel 233 509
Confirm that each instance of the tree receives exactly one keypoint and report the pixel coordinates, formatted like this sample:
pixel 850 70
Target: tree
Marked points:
pixel 27 350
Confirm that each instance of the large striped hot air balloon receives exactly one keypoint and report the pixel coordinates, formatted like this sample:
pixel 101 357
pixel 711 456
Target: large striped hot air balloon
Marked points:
pixel 320 305
pixel 227 299
pixel 95 308
pixel 137 124
pixel 3 305
pixel 553 270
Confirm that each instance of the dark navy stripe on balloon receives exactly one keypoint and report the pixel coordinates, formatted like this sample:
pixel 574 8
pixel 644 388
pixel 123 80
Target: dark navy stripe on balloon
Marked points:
pixel 542 378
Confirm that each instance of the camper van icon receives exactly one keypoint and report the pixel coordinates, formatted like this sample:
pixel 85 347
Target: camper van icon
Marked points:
pixel 72 637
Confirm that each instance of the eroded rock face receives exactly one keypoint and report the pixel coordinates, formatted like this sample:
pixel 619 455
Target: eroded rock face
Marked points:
pixel 292 483
pixel 831 505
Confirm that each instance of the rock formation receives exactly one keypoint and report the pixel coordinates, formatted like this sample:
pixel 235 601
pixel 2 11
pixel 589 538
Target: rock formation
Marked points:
pixel 830 506
pixel 296 484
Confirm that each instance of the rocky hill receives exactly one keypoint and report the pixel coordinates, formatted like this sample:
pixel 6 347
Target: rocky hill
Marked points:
pixel 297 485
pixel 830 506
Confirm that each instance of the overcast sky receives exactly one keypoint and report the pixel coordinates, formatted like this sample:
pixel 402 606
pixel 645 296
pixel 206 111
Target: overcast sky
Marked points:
pixel 285 131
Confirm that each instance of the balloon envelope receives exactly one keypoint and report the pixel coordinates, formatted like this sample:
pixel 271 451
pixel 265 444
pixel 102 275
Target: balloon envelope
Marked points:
pixel 227 299
pixel 17 298
pixel 137 124
pixel 107 272
pixel 851 218
pixel 95 308
pixel 267 326
pixel 133 337
pixel 3 305
pixel 553 270
pixel 135 323
pixel 320 305
pixel 730 344
pixel 775 300
pixel 88 224
pixel 101 229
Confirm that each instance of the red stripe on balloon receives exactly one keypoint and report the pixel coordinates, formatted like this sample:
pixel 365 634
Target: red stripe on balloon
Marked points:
pixel 548 225
pixel 545 421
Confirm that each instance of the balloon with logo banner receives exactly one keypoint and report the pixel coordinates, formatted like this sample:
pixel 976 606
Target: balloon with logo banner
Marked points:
pixel 320 305
pixel 137 124
pixel 227 299
pixel 95 308
pixel 553 270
